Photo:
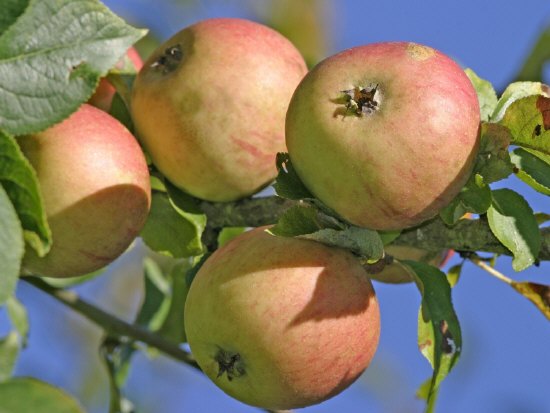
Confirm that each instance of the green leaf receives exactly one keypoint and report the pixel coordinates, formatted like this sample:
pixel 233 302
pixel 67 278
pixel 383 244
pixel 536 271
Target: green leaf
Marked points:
pixel 512 221
pixel 24 394
pixel 528 120
pixel 18 178
pixel 122 78
pixel 542 218
pixel 514 92
pixel 72 281
pixel 188 207
pixel 423 392
pixel 154 309
pixel 439 334
pixel 17 337
pixel 173 327
pixel 170 229
pixel 485 94
pixel 474 197
pixel 453 275
pixel 361 241
pixel 538 294
pixel 185 202
pixel 297 220
pixel 533 168
pixel 157 297
pixel 308 222
pixel 493 160
pixel 305 219
pixel 51 60
pixel 9 350
pixel 228 233
pixel 119 110
pixel 116 357
pixel 388 236
pixel 288 184
pixel 197 264
pixel 534 64
pixel 123 74
pixel 157 184
pixel 11 10
pixel 12 247
pixel 17 314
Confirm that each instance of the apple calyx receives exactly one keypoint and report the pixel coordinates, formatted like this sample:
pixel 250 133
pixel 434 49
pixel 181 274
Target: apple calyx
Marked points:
pixel 169 60
pixel 229 363
pixel 361 101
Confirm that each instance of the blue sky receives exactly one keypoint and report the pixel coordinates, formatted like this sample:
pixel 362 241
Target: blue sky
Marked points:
pixel 505 365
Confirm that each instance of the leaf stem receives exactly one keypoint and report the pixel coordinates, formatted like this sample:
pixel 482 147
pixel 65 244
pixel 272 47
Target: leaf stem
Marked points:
pixel 497 274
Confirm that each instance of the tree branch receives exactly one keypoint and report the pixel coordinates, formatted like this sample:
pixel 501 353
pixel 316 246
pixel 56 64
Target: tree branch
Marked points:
pixel 249 212
pixel 112 325
pixel 466 235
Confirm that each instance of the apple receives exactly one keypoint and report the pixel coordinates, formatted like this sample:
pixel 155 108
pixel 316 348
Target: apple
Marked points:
pixel 281 323
pixel 209 106
pixel 104 93
pixel 95 187
pixel 396 273
pixel 384 134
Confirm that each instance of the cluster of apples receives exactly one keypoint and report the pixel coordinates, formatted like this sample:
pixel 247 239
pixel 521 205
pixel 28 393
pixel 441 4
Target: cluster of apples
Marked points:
pixel 384 134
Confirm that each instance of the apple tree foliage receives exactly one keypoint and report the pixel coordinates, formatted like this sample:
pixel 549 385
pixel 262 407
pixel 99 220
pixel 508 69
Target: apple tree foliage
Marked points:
pixel 52 55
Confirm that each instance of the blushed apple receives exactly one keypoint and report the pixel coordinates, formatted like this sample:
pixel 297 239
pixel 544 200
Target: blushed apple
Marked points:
pixel 95 186
pixel 281 323
pixel 209 106
pixel 384 134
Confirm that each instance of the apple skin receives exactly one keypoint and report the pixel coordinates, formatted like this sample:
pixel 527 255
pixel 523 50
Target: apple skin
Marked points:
pixel 95 186
pixel 104 93
pixel 398 165
pixel 209 106
pixel 299 318
pixel 396 273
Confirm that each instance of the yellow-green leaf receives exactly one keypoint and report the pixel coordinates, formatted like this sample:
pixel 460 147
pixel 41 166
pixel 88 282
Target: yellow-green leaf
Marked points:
pixel 538 294
pixel 22 395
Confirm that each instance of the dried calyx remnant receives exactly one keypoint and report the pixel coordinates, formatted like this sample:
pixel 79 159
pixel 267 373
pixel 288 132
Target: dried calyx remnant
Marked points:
pixel 377 266
pixel 229 363
pixel 362 100
pixel 169 60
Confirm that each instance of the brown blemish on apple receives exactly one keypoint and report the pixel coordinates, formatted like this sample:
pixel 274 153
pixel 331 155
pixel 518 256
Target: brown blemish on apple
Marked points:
pixel 229 363
pixel 419 52
pixel 169 60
